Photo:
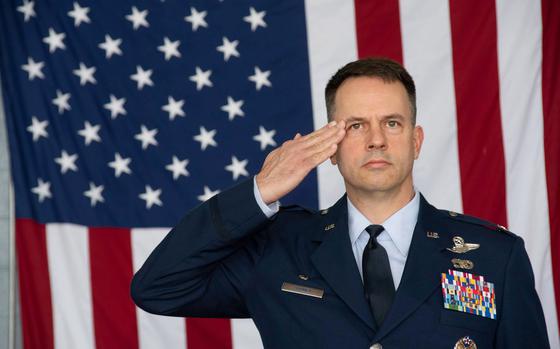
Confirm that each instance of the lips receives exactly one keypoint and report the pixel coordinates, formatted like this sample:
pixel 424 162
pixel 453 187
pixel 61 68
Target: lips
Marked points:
pixel 377 163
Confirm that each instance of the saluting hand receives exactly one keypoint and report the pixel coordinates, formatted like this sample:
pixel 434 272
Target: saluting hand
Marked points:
pixel 285 167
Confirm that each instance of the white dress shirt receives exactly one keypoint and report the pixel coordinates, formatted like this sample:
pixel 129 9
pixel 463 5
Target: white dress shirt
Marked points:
pixel 396 237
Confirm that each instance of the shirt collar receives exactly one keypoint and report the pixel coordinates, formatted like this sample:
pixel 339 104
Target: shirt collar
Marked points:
pixel 398 226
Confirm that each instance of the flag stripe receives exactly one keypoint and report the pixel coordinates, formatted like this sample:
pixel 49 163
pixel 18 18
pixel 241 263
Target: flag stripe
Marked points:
pixel 475 64
pixel 69 271
pixel 154 331
pixel 425 28
pixel 34 285
pixel 244 334
pixel 331 42
pixel 521 106
pixel 208 333
pixel 111 272
pixel 551 112
pixel 378 28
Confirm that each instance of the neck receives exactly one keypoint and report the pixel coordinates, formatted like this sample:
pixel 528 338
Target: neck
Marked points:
pixel 378 206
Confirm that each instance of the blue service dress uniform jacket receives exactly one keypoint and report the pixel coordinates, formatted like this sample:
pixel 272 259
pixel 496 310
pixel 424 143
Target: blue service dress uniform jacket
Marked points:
pixel 226 259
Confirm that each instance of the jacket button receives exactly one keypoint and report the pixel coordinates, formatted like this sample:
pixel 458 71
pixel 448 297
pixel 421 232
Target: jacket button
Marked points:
pixel 376 346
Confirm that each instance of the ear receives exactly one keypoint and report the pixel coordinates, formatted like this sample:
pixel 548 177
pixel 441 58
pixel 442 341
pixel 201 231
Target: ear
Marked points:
pixel 333 159
pixel 418 137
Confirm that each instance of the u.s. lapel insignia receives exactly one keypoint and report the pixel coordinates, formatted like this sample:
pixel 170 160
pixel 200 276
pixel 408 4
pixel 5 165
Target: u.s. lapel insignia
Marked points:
pixel 460 246
pixel 468 293
pixel 329 227
pixel 432 235
pixel 465 343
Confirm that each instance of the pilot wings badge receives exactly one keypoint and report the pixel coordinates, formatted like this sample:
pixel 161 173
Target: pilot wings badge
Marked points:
pixel 460 246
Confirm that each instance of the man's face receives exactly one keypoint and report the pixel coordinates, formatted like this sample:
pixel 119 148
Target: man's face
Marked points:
pixel 381 144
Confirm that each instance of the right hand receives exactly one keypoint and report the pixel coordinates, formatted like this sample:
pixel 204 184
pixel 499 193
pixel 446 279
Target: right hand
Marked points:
pixel 285 168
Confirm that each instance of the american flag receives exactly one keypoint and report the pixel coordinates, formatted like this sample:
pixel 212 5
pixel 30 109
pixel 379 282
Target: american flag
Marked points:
pixel 123 115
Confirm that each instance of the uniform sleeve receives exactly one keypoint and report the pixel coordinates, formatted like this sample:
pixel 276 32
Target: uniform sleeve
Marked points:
pixel 203 265
pixel 521 324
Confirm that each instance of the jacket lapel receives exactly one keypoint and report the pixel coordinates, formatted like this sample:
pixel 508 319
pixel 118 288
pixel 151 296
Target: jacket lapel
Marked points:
pixel 421 275
pixel 335 261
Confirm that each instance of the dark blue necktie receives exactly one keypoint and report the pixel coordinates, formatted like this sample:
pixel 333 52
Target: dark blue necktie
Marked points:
pixel 378 281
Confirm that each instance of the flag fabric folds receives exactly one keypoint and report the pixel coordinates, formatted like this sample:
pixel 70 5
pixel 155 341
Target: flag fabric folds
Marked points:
pixel 122 116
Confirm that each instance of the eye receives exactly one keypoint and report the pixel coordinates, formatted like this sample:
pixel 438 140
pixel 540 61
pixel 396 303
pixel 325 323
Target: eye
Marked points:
pixel 392 123
pixel 355 126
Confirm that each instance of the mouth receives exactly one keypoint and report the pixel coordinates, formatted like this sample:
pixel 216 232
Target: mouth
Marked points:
pixel 376 164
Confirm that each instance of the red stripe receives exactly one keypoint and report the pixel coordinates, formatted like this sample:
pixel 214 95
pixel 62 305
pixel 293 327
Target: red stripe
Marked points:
pixel 378 29
pixel 551 112
pixel 34 285
pixel 477 93
pixel 114 313
pixel 209 333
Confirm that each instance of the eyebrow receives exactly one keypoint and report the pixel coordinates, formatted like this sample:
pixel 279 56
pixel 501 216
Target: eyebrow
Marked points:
pixel 385 117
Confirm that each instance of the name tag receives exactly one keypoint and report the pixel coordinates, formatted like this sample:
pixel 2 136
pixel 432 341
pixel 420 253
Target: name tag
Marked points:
pixel 303 290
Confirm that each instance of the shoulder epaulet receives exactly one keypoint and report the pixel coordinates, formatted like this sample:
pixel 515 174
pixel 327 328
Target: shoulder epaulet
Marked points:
pixel 296 208
pixel 476 221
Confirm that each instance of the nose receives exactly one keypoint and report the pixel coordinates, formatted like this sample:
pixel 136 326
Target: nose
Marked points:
pixel 376 139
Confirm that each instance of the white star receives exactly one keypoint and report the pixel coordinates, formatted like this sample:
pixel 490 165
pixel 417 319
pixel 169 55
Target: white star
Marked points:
pixel 85 74
pixel 265 137
pixel 94 194
pixel 170 48
pixel 116 106
pixel 67 162
pixel 147 137
pixel 255 18
pixel 27 9
pixel 80 14
pixel 90 133
pixel 237 168
pixel 43 189
pixel 142 77
pixel 174 108
pixel 202 78
pixel 228 48
pixel 233 108
pixel 197 19
pixel 207 194
pixel 61 101
pixel 33 69
pixel 138 18
pixel 54 40
pixel 120 165
pixel 206 138
pixel 111 46
pixel 38 128
pixel 178 167
pixel 151 197
pixel 260 78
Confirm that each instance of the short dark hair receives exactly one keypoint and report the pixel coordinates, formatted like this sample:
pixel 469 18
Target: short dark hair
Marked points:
pixel 378 67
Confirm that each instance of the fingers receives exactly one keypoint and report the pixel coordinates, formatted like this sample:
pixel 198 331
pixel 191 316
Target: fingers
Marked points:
pixel 333 130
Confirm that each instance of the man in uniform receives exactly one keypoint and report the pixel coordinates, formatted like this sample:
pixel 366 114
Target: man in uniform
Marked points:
pixel 382 268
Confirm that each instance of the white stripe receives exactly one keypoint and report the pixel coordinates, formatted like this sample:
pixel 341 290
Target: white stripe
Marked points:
pixel 155 331
pixel 520 59
pixel 68 257
pixel 427 55
pixel 331 42
pixel 245 335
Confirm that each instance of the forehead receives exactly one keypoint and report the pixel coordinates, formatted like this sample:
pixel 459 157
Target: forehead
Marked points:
pixel 371 95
